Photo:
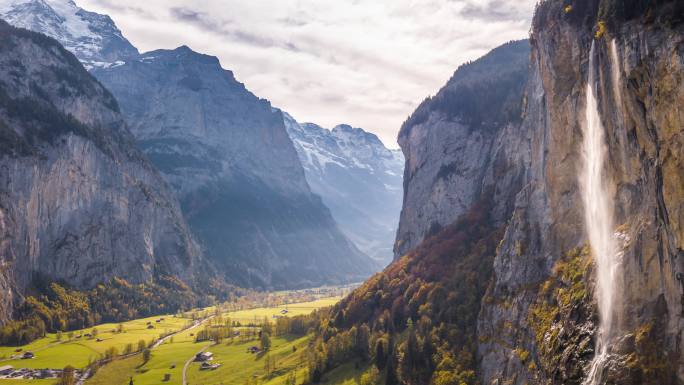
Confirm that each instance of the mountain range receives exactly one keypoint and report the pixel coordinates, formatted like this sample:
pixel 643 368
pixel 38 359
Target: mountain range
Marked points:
pixel 358 178
pixel 225 154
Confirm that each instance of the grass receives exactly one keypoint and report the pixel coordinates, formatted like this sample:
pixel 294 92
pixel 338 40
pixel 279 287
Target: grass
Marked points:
pixel 257 315
pixel 78 352
pixel 170 357
pixel 346 374
pixel 238 365
pixel 117 372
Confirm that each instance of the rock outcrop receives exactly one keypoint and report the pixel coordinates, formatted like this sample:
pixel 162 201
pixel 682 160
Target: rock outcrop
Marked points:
pixel 78 202
pixel 640 66
pixel 235 170
pixel 357 177
pixel 462 142
pixel 538 320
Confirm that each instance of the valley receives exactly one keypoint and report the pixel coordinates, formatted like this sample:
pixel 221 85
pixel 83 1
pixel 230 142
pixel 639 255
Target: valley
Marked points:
pixel 163 223
pixel 118 350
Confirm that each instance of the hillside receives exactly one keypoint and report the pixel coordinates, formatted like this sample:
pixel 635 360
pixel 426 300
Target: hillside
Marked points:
pixel 79 203
pixel 456 308
pixel 224 152
pixel 234 168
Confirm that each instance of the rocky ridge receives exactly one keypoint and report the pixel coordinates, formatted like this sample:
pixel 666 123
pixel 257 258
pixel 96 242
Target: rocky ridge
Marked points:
pixel 357 177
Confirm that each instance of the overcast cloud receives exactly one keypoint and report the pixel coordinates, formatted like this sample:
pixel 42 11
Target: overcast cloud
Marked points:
pixel 367 63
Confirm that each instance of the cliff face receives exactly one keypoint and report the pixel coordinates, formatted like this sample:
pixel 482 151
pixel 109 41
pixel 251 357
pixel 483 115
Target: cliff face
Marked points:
pixel 357 177
pixel 541 302
pixel 235 170
pixel 457 144
pixel 538 322
pixel 78 202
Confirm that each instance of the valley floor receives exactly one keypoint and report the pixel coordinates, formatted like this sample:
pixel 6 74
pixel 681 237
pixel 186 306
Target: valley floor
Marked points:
pixel 172 356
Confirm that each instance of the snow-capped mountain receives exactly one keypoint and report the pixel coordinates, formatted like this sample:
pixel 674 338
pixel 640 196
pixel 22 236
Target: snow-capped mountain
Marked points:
pixel 357 177
pixel 93 38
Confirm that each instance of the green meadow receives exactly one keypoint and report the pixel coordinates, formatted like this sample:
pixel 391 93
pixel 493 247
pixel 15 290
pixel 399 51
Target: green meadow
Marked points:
pixel 167 361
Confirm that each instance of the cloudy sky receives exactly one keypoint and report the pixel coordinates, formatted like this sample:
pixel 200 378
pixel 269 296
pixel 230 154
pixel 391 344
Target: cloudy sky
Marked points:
pixel 367 63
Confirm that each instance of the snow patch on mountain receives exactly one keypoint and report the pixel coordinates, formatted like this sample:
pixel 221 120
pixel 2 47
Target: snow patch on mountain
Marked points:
pixel 358 178
pixel 92 37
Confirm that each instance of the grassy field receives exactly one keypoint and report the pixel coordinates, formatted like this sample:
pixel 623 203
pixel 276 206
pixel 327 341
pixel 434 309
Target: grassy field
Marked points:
pixel 252 315
pixel 54 354
pixel 168 359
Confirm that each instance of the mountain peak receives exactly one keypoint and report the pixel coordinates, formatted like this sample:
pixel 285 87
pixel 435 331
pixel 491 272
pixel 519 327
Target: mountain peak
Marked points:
pixel 93 38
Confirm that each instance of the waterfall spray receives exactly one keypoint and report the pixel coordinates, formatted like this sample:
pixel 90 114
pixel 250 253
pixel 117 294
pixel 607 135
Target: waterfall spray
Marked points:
pixel 598 213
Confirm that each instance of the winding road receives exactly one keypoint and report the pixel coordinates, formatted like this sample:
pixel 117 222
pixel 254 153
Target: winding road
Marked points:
pixel 197 323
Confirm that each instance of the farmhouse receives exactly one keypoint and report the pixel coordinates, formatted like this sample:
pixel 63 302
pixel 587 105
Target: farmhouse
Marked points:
pixel 28 356
pixel 208 366
pixel 204 356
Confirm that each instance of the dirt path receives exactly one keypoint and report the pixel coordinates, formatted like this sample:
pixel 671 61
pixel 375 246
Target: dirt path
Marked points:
pixel 197 323
pixel 188 362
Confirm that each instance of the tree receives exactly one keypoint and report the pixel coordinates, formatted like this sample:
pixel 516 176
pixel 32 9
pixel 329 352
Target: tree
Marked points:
pixel 141 345
pixel 68 376
pixel 391 378
pixel 371 377
pixel 269 364
pixel 147 354
pixel 131 381
pixel 380 356
pixel 266 327
pixel 362 338
pixel 265 341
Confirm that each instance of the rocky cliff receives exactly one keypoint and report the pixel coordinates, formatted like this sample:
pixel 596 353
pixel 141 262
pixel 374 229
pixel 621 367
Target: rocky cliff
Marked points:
pixel 232 164
pixel 458 144
pixel 78 202
pixel 541 300
pixel 223 150
pixel 357 177
pixel 539 320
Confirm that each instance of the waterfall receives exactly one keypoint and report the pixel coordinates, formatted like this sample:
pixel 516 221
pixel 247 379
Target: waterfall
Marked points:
pixel 598 213
pixel 615 72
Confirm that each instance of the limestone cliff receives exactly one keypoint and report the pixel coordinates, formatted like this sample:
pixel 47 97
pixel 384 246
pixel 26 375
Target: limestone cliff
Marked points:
pixel 541 302
pixel 538 320
pixel 460 143
pixel 78 202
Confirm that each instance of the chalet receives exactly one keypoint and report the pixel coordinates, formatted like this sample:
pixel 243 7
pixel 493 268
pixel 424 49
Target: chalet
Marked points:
pixel 207 366
pixel 5 370
pixel 28 356
pixel 284 311
pixel 204 356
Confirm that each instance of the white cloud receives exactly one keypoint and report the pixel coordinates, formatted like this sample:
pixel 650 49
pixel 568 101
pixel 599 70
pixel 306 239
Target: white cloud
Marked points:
pixel 363 62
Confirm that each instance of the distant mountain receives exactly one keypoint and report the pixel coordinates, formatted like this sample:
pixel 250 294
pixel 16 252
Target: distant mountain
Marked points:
pixel 79 203
pixel 359 179
pixel 93 38
pixel 224 151
pixel 229 158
